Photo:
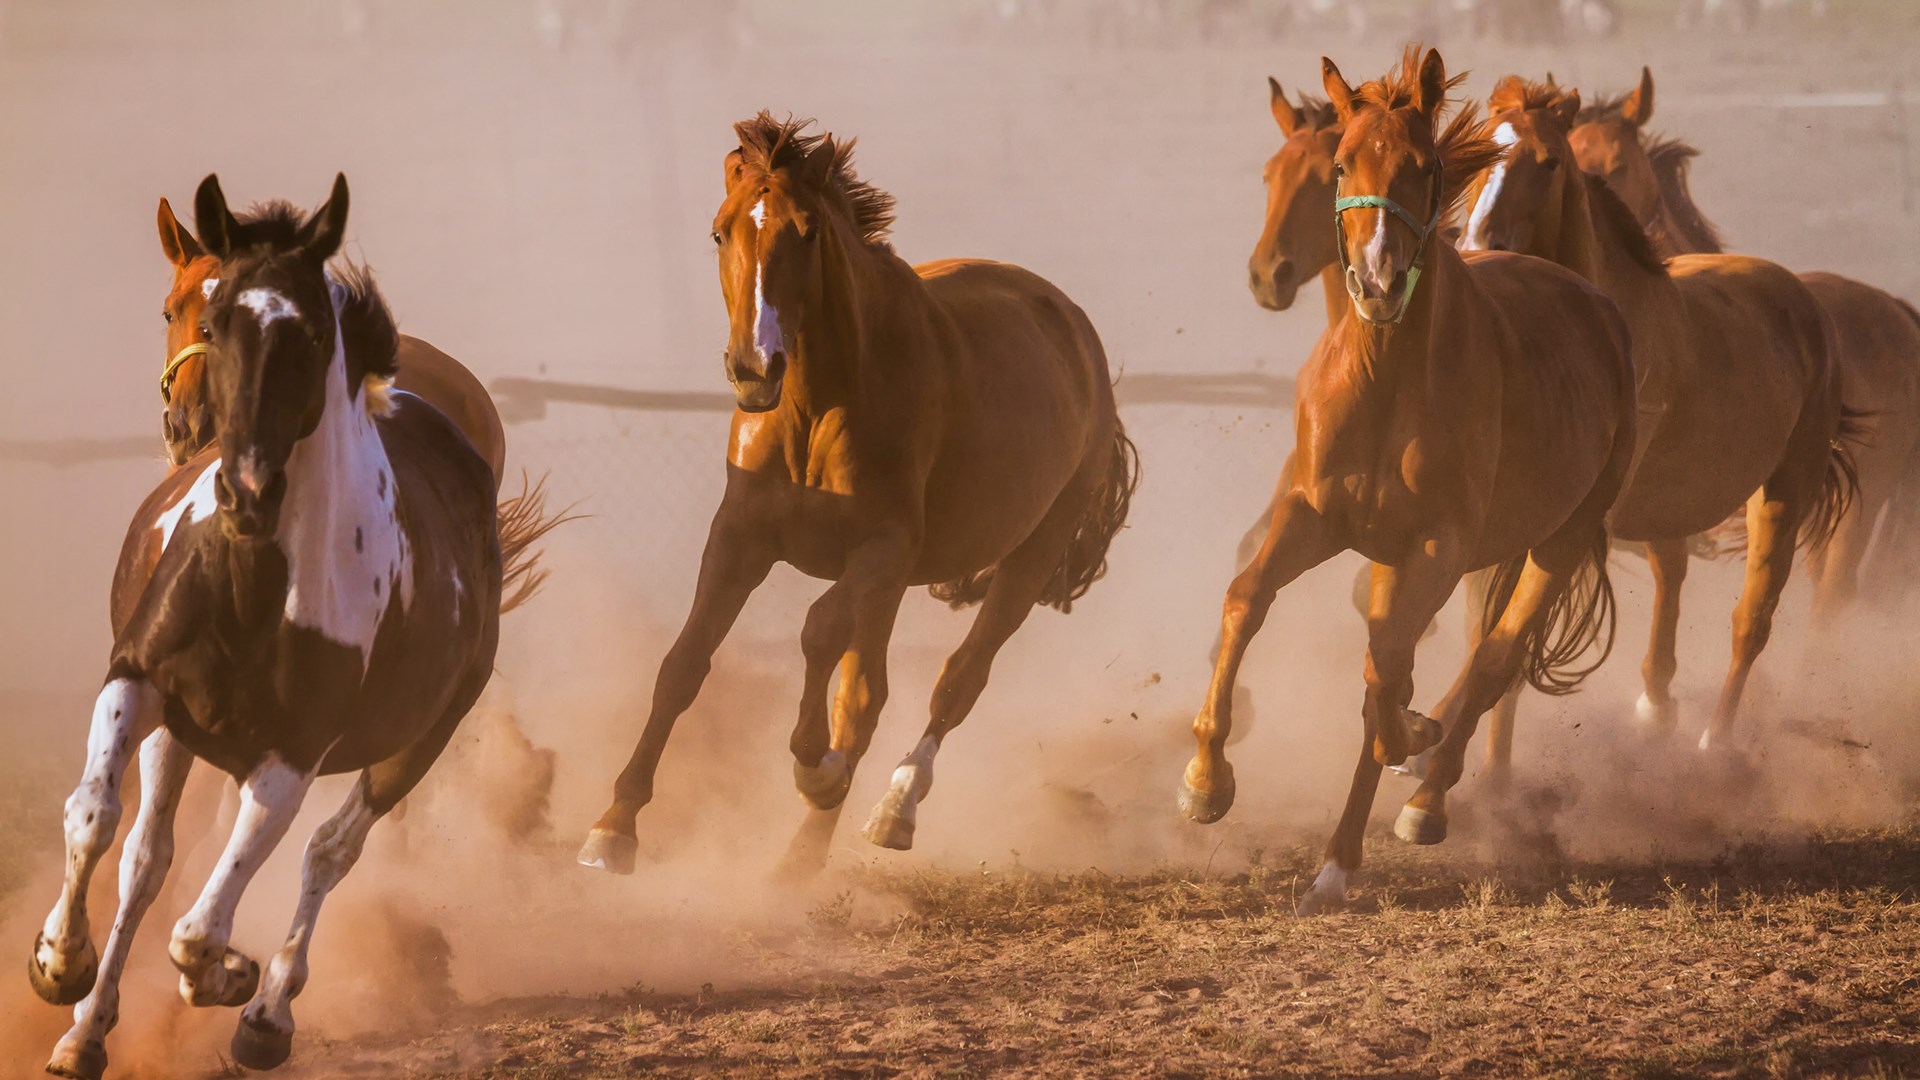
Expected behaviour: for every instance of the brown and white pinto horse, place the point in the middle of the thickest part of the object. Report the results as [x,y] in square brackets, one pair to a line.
[1740,398]
[950,424]
[423,371]
[1468,411]
[316,592]
[1876,343]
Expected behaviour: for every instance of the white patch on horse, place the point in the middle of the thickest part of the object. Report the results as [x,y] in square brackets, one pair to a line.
[1475,239]
[766,319]
[197,505]
[746,433]
[759,214]
[207,287]
[1376,253]
[1332,882]
[347,556]
[268,306]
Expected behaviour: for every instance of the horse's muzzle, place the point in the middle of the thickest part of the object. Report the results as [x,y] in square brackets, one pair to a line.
[249,498]
[758,391]
[1275,287]
[1374,303]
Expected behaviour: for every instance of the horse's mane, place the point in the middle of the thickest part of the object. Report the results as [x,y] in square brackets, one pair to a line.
[1670,158]
[1602,108]
[1463,149]
[1514,93]
[1614,213]
[1316,113]
[771,144]
[367,329]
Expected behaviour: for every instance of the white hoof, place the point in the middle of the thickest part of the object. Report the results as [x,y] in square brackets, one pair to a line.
[824,785]
[608,851]
[891,824]
[1328,894]
[1660,719]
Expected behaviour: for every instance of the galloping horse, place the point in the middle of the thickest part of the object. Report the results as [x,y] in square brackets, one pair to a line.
[1468,411]
[1739,395]
[1876,343]
[186,421]
[317,591]
[950,424]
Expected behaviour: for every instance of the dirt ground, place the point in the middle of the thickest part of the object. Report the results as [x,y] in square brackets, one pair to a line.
[533,183]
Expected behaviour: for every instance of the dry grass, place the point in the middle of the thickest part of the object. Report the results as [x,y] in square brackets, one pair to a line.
[1787,960]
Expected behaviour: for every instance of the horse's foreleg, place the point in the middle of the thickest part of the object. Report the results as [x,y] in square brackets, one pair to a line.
[211,973]
[1405,598]
[730,569]
[1298,539]
[1771,528]
[164,764]
[861,695]
[1656,708]
[62,966]
[1491,675]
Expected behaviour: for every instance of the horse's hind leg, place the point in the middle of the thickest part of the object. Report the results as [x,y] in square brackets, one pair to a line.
[1772,521]
[164,763]
[264,1036]
[62,967]
[211,973]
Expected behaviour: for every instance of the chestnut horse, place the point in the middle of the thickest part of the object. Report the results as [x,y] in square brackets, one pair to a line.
[424,371]
[950,424]
[1876,344]
[1468,411]
[1740,397]
[318,591]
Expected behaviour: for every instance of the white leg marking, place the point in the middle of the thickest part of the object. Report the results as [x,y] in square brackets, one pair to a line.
[347,555]
[1475,237]
[144,862]
[269,800]
[124,713]
[1332,883]
[335,847]
[892,821]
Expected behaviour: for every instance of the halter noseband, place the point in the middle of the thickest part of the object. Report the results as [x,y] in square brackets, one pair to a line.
[198,348]
[1421,232]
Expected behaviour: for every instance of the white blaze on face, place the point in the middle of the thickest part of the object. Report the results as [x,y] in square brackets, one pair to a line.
[1475,238]
[196,505]
[268,306]
[348,559]
[207,287]
[1375,257]
[767,339]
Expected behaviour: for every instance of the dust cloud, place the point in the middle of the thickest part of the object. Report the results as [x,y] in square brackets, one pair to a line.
[532,184]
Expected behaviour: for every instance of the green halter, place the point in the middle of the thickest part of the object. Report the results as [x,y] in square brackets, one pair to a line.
[1421,233]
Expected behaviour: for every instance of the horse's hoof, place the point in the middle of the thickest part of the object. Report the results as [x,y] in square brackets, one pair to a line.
[1417,826]
[825,785]
[609,851]
[228,985]
[1422,730]
[75,979]
[1207,807]
[1320,902]
[1416,766]
[257,1046]
[78,1060]
[890,826]
[1656,718]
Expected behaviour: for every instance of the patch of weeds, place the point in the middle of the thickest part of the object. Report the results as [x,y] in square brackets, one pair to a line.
[1597,895]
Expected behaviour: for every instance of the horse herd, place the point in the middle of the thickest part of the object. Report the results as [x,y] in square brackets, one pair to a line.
[316,586]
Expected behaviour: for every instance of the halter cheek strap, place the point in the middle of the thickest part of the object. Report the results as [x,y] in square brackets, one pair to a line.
[1422,232]
[198,348]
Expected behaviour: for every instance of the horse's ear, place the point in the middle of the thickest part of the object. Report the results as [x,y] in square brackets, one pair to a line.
[1552,83]
[1284,113]
[326,228]
[735,164]
[175,240]
[216,222]
[1337,89]
[819,163]
[1433,84]
[1567,107]
[1638,108]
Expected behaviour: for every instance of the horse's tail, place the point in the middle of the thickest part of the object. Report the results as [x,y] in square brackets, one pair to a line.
[1841,485]
[1085,559]
[523,520]
[1581,618]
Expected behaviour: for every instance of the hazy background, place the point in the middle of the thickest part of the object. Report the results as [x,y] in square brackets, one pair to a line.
[533,184]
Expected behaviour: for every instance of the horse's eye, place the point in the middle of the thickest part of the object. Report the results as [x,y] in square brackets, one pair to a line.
[206,333]
[716,237]
[166,316]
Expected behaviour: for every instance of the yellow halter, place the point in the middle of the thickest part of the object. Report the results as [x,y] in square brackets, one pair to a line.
[198,348]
